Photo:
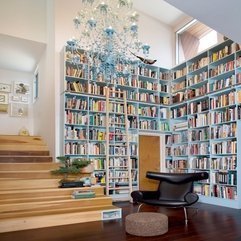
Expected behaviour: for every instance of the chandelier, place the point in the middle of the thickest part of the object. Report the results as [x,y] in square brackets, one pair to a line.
[108,35]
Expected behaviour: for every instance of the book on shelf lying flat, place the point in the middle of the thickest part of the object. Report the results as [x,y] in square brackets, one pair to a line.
[78,194]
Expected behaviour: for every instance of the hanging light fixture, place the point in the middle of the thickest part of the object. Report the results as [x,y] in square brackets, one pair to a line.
[108,35]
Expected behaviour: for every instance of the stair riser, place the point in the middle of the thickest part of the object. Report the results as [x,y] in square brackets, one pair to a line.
[28,184]
[50,220]
[24,153]
[28,166]
[45,192]
[11,210]
[27,175]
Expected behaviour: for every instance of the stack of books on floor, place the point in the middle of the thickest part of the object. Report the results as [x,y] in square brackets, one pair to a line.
[78,194]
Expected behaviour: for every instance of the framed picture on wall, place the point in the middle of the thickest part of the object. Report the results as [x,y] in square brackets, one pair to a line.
[3,108]
[21,88]
[18,110]
[5,87]
[3,98]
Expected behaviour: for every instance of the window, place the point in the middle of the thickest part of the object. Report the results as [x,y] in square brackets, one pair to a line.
[192,39]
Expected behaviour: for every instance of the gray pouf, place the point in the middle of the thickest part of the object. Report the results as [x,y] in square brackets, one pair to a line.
[146,224]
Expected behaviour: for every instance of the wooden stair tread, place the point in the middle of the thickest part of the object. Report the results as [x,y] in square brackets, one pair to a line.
[21,140]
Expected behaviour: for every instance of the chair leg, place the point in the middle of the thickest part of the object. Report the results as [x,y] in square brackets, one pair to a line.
[138,210]
[185,213]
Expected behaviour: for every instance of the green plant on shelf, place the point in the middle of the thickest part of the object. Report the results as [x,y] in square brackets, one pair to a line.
[70,167]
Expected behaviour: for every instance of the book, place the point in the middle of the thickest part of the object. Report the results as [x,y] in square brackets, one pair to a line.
[79,194]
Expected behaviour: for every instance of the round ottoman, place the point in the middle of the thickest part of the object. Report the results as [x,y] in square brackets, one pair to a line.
[146,224]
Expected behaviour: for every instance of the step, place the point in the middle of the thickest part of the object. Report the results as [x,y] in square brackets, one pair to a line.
[49,207]
[21,140]
[20,184]
[28,166]
[64,218]
[41,174]
[23,148]
[48,192]
[26,154]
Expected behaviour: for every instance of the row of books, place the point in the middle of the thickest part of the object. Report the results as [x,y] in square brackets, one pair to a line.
[75,118]
[225,115]
[148,125]
[227,50]
[181,150]
[223,131]
[199,162]
[222,68]
[176,164]
[227,192]
[76,103]
[200,63]
[222,83]
[198,120]
[147,72]
[199,149]
[178,86]
[197,78]
[222,100]
[199,134]
[224,163]
[224,147]
[75,148]
[75,133]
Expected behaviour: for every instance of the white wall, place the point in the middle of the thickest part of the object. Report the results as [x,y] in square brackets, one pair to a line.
[24,19]
[160,37]
[12,125]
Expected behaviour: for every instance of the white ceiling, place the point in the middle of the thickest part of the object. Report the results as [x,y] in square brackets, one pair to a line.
[160,10]
[19,54]
[22,55]
[222,15]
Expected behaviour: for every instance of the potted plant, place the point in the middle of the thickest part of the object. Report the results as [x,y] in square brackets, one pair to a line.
[70,167]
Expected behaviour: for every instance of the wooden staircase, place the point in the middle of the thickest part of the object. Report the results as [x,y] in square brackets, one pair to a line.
[29,194]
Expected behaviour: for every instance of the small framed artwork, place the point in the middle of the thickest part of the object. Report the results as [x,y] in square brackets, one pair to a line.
[3,98]
[5,87]
[3,108]
[18,110]
[24,98]
[21,88]
[16,98]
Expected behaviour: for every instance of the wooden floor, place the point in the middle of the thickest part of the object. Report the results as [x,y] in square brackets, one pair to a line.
[209,223]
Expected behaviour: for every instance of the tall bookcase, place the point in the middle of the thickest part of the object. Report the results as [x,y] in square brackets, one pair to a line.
[86,132]
[206,128]
[196,105]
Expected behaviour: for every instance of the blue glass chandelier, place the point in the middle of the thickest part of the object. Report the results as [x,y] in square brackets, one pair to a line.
[108,34]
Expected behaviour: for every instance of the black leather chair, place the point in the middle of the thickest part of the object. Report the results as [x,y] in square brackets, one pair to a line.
[175,190]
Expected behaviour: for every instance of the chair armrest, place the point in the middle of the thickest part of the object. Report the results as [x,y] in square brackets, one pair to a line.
[137,196]
[191,198]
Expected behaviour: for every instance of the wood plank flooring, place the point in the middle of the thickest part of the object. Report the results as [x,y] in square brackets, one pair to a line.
[210,223]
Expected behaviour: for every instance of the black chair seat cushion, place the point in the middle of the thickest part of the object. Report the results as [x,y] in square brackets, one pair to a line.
[166,203]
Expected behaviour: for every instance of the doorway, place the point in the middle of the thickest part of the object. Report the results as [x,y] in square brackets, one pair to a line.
[149,160]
